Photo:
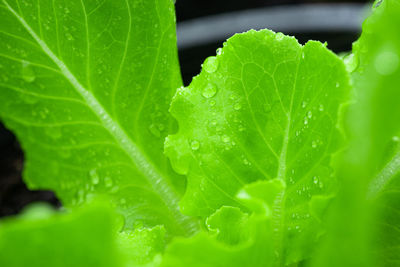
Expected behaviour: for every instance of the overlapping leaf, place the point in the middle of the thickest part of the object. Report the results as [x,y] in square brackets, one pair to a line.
[265,107]
[41,237]
[234,238]
[86,87]
[367,215]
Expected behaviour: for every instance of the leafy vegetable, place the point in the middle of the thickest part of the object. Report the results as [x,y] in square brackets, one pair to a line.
[86,86]
[259,114]
[41,238]
[367,213]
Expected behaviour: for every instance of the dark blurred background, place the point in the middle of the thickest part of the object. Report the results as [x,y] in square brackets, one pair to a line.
[203,25]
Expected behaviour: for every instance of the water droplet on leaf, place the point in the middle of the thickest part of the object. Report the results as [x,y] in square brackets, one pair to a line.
[108,182]
[314,144]
[210,65]
[69,37]
[94,177]
[386,62]
[27,73]
[53,132]
[209,91]
[237,106]
[351,62]
[279,36]
[226,139]
[195,145]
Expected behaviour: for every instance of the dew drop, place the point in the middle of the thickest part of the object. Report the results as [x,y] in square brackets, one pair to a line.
[195,145]
[210,65]
[386,62]
[243,195]
[53,132]
[321,107]
[219,51]
[94,177]
[209,91]
[305,121]
[27,73]
[108,182]
[237,106]
[212,103]
[304,104]
[309,114]
[351,61]
[69,37]
[226,139]
[43,113]
[396,138]
[315,180]
[80,196]
[337,84]
[313,144]
[279,36]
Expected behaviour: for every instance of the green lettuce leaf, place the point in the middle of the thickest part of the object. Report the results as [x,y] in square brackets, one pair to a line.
[365,222]
[42,237]
[265,107]
[86,87]
[142,246]
[234,238]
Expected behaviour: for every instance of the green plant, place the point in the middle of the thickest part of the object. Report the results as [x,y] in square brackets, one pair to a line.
[277,154]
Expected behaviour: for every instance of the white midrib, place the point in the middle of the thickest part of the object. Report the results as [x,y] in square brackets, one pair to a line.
[279,203]
[160,186]
[378,184]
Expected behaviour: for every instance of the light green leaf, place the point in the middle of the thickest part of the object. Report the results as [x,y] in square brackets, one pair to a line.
[265,107]
[365,222]
[41,237]
[234,239]
[142,246]
[86,87]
